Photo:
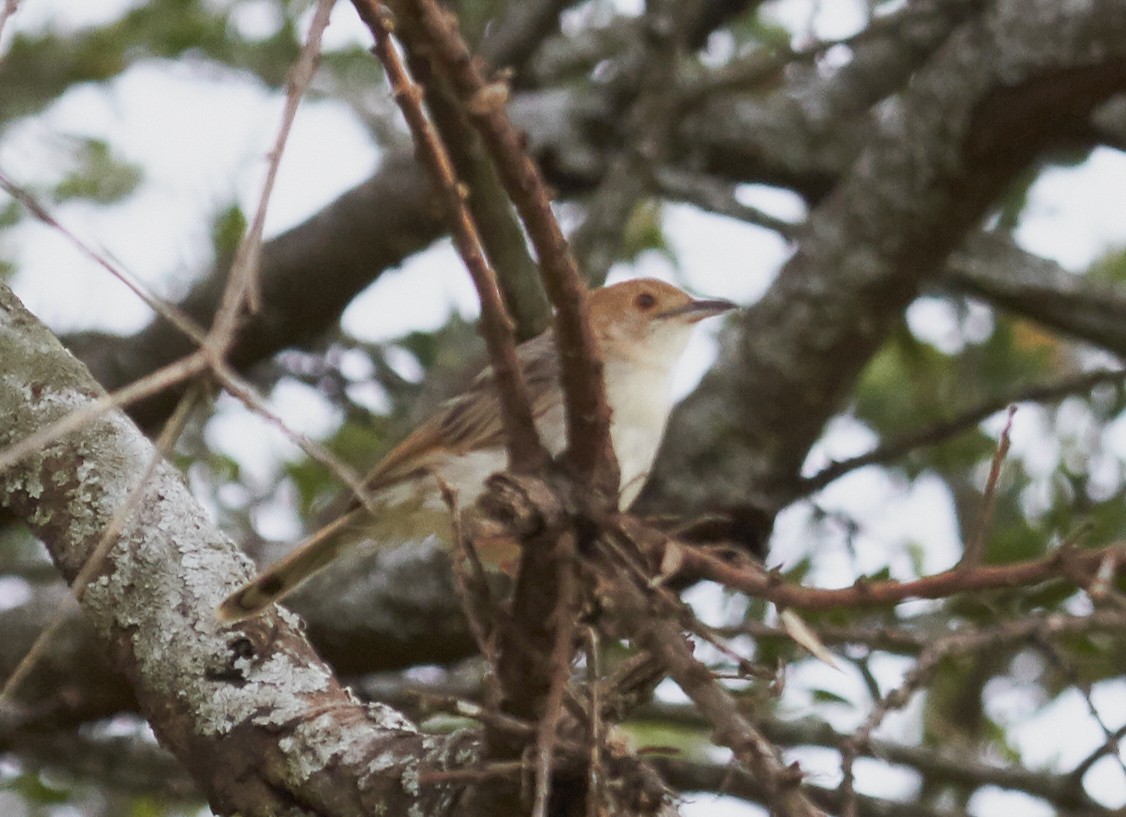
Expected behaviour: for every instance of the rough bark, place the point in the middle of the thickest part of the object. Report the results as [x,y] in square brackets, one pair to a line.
[1018,81]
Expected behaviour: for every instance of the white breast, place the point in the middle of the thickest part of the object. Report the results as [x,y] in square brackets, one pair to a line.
[639,399]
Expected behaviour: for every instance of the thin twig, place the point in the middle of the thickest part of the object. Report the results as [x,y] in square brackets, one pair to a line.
[166,309]
[9,9]
[501,234]
[893,449]
[159,380]
[595,773]
[472,585]
[167,376]
[560,664]
[717,196]
[975,547]
[242,281]
[737,573]
[660,637]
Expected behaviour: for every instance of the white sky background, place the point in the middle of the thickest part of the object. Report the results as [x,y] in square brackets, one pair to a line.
[202,137]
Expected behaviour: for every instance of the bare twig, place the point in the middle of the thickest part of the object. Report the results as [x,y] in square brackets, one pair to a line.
[167,310]
[737,573]
[659,636]
[932,434]
[560,668]
[717,196]
[975,547]
[471,584]
[159,380]
[595,772]
[524,447]
[242,282]
[6,12]
[501,234]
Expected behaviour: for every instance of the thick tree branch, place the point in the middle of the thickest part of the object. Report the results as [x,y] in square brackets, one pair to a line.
[934,163]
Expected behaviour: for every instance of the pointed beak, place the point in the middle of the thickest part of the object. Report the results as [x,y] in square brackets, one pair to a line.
[695,311]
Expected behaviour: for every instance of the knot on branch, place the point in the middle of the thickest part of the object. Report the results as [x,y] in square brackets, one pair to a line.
[526,505]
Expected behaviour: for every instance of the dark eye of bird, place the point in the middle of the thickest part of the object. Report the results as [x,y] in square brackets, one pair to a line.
[645,301]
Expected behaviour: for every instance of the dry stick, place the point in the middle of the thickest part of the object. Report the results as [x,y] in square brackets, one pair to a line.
[1073,675]
[560,663]
[169,375]
[172,430]
[975,547]
[526,452]
[249,396]
[717,196]
[754,579]
[242,282]
[588,416]
[594,775]
[502,236]
[1080,771]
[472,584]
[893,449]
[897,698]
[663,639]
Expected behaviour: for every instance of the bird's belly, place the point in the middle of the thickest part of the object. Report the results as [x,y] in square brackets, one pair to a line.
[640,406]
[635,446]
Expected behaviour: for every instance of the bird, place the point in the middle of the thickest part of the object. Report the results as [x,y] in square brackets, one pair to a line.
[641,327]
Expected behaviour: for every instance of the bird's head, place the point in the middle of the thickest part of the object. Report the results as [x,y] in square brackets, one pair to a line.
[648,321]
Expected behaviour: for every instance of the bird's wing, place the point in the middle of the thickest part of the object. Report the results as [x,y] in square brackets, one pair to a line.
[468,422]
[471,420]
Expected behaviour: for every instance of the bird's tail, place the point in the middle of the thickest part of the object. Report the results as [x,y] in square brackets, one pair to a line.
[282,578]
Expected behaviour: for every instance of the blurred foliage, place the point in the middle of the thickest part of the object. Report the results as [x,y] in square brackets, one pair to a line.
[36,790]
[1110,266]
[227,229]
[97,175]
[644,230]
[39,67]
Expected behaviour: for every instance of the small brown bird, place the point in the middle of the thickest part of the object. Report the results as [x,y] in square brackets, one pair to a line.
[641,327]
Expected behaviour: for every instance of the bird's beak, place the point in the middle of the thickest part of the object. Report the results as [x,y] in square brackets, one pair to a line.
[698,310]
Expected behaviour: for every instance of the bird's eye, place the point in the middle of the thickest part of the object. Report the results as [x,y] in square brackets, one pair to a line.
[645,301]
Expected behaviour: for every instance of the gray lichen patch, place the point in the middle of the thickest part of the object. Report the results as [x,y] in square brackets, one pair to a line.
[328,739]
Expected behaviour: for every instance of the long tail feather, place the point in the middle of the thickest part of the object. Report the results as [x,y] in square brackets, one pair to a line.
[282,578]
